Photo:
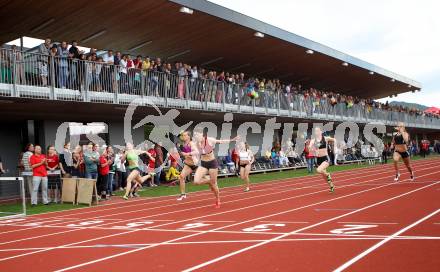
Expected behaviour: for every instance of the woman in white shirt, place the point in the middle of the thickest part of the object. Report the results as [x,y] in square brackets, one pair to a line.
[246,158]
[123,77]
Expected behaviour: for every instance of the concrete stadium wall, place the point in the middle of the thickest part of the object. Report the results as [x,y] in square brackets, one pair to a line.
[10,147]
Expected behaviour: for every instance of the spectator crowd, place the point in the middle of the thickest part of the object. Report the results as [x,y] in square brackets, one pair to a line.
[113,70]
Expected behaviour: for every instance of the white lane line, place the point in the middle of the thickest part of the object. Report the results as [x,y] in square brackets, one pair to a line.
[230,189]
[370,223]
[343,173]
[278,182]
[27,225]
[86,218]
[185,220]
[225,242]
[208,231]
[199,207]
[215,221]
[284,222]
[156,215]
[384,241]
[302,229]
[360,235]
[334,209]
[310,183]
[312,179]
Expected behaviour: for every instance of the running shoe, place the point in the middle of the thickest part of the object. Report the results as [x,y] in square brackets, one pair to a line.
[125,197]
[247,189]
[332,188]
[412,177]
[181,197]
[217,204]
[330,183]
[397,177]
[136,195]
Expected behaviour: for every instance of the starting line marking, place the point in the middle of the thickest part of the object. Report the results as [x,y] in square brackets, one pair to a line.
[352,229]
[225,242]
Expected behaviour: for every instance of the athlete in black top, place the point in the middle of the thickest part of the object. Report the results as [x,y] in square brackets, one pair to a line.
[318,144]
[400,144]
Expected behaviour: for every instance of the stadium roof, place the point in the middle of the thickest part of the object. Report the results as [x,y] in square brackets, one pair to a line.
[212,35]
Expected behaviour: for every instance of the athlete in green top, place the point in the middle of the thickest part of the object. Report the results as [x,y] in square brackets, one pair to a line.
[131,155]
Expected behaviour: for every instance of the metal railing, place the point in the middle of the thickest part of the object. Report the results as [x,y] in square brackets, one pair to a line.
[30,75]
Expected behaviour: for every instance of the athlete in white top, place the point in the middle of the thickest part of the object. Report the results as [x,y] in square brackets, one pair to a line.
[246,159]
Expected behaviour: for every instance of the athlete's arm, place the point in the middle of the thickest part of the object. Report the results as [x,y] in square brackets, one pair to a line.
[330,139]
[311,143]
[225,141]
[194,150]
[405,136]
[123,157]
[392,143]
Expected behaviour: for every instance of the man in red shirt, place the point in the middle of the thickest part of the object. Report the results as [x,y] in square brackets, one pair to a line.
[152,164]
[38,163]
[235,159]
[424,148]
[310,157]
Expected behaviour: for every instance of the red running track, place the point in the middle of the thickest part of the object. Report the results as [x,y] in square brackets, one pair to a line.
[370,224]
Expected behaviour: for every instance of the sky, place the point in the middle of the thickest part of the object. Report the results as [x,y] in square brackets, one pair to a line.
[399,35]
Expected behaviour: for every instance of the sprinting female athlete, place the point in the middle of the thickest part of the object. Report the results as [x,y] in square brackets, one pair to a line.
[400,144]
[208,162]
[132,157]
[319,144]
[190,152]
[246,159]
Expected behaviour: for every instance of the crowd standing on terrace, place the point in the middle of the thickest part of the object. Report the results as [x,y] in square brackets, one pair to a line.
[115,71]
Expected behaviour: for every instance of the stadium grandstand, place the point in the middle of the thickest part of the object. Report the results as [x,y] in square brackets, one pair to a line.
[202,72]
[85,108]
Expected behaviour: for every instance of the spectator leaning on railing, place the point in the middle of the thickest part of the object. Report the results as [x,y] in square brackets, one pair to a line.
[204,85]
[44,50]
[63,72]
